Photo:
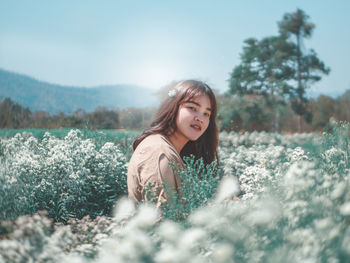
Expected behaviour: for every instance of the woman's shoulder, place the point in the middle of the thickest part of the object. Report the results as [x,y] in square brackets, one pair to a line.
[156,145]
[154,139]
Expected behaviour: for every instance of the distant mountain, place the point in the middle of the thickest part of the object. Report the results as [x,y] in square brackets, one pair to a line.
[42,96]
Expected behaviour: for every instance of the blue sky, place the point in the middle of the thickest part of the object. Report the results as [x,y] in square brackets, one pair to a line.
[152,42]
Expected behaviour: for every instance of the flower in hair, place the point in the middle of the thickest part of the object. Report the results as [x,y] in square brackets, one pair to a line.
[172,93]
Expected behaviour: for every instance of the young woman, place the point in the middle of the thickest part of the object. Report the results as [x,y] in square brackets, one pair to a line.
[184,125]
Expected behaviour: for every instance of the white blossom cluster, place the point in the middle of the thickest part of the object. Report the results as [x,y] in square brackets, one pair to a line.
[258,165]
[228,139]
[61,176]
[294,207]
[37,239]
[307,220]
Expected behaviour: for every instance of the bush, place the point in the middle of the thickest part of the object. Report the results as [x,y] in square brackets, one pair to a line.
[295,207]
[198,188]
[66,177]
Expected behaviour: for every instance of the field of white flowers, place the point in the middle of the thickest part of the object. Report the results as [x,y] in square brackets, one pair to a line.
[63,200]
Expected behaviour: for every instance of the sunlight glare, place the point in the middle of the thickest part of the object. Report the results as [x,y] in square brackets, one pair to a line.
[156,76]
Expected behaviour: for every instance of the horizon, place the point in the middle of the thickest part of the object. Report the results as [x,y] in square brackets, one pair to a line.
[313,95]
[152,44]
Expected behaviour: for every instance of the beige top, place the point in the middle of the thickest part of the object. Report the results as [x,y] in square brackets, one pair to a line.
[150,164]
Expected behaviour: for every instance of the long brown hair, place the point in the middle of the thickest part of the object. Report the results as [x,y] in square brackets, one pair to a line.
[165,120]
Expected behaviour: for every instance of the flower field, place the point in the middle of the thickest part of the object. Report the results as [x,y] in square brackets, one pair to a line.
[62,199]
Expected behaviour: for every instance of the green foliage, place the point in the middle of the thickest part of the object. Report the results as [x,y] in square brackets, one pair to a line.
[246,113]
[13,115]
[264,69]
[67,177]
[198,186]
[334,151]
[271,67]
[307,66]
[123,139]
[136,118]
[251,113]
[295,207]
[323,109]
[37,238]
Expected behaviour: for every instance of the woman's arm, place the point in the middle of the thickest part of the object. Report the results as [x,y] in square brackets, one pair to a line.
[166,177]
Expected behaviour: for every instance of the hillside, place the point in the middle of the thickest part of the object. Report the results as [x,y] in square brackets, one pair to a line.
[42,96]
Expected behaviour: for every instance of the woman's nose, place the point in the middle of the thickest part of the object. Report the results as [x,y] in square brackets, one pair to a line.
[197,118]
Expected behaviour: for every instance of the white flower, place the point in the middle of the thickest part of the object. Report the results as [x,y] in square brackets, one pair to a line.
[345,209]
[172,93]
[125,208]
[228,188]
[223,253]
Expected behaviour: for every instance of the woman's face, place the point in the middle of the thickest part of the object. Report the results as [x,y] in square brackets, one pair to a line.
[193,118]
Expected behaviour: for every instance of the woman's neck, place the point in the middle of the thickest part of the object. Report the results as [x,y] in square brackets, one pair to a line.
[177,141]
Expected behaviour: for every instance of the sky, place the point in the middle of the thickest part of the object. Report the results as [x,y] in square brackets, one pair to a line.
[153,42]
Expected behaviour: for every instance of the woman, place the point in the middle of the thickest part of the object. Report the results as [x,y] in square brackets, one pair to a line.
[184,125]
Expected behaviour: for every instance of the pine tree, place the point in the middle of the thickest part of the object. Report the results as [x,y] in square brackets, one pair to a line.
[264,71]
[308,67]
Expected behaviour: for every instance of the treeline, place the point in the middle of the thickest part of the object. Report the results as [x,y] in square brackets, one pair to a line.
[240,113]
[276,71]
[253,113]
[14,116]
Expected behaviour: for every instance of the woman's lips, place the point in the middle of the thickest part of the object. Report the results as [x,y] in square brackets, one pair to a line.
[196,127]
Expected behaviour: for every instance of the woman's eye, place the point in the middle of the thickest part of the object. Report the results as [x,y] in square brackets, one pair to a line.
[206,114]
[192,108]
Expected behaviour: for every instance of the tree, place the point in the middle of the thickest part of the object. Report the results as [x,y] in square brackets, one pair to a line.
[102,118]
[13,115]
[322,109]
[265,70]
[243,113]
[136,118]
[308,66]
[342,109]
